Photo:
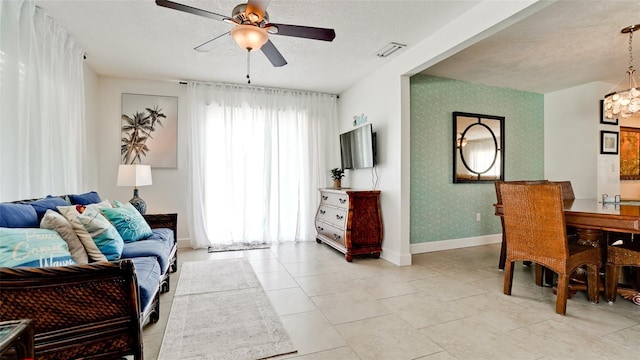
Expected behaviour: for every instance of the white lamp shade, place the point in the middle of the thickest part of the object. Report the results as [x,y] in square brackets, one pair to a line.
[134,175]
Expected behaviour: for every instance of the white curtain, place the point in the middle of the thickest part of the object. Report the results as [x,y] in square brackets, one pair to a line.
[257,159]
[41,105]
[480,154]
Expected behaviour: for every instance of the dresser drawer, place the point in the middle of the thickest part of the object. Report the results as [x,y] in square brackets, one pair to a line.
[334,199]
[332,215]
[330,231]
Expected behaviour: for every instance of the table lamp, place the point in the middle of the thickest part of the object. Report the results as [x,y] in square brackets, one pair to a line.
[135,175]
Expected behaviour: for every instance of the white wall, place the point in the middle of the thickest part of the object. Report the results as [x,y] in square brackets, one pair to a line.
[384,97]
[572,141]
[169,189]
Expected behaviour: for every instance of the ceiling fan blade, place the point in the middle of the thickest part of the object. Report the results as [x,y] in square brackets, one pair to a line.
[306,32]
[190,10]
[213,43]
[270,51]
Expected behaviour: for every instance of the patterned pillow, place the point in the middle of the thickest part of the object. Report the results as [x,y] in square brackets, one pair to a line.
[71,213]
[104,235]
[33,247]
[54,221]
[128,221]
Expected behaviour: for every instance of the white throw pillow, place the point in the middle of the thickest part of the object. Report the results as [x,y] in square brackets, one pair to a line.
[55,221]
[71,213]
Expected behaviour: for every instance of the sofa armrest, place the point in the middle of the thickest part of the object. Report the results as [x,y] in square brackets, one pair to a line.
[77,310]
[168,221]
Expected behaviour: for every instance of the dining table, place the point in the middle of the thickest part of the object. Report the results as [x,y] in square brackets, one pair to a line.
[594,222]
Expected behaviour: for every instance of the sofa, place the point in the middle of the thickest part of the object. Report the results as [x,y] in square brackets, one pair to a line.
[90,294]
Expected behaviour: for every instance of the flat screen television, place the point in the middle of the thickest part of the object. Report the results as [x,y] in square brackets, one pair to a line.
[358,148]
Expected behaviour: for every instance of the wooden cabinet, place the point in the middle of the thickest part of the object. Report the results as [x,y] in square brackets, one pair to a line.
[350,222]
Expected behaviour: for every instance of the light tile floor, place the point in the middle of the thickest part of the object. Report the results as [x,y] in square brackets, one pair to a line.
[447,305]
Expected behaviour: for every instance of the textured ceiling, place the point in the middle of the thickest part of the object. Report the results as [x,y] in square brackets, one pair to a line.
[565,44]
[138,39]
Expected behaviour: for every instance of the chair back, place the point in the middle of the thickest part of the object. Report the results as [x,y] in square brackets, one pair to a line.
[522,182]
[534,222]
[567,189]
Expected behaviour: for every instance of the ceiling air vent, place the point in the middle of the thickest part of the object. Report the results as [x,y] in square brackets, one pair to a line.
[389,49]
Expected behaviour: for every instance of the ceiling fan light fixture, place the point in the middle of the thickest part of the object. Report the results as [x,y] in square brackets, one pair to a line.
[625,103]
[249,36]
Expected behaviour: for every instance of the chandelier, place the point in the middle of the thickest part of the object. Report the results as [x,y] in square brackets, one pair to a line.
[626,102]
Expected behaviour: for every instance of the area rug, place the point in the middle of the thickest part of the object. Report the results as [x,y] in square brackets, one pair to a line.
[220,311]
[238,246]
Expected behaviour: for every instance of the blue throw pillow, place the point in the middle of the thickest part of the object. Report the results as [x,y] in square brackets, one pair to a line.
[85,199]
[128,221]
[49,203]
[104,235]
[33,247]
[18,216]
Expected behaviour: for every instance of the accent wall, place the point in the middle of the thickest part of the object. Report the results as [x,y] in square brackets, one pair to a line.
[440,209]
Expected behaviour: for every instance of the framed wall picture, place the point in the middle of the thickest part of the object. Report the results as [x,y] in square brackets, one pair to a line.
[149,130]
[608,142]
[629,153]
[603,118]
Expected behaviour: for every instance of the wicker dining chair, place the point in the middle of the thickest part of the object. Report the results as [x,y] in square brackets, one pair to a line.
[536,231]
[626,254]
[503,248]
[567,189]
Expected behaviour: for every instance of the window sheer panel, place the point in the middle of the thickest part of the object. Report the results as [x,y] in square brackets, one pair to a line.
[196,127]
[262,154]
[42,112]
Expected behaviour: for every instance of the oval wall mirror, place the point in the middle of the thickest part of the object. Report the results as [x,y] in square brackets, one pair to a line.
[478,148]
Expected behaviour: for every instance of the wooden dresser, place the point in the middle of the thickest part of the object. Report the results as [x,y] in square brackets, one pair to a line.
[350,221]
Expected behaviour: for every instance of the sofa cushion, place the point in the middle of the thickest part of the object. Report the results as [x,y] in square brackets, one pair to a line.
[33,247]
[71,213]
[128,221]
[163,234]
[91,197]
[158,245]
[55,221]
[49,203]
[18,216]
[148,274]
[103,233]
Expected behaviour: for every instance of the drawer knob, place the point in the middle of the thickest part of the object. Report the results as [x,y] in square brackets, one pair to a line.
[342,201]
[320,228]
[324,197]
[323,212]
[336,236]
[339,217]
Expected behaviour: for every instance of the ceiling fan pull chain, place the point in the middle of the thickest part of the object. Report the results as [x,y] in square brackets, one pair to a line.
[248,65]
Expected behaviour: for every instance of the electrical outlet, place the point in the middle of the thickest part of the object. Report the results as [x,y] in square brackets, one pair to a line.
[477,216]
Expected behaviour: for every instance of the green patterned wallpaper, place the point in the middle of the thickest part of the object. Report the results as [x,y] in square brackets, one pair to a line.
[440,209]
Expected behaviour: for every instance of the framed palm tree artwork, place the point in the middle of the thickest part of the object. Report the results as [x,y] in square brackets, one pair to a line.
[149,132]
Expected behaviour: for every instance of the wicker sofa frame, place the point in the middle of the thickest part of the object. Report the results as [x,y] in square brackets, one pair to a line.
[79,311]
[85,311]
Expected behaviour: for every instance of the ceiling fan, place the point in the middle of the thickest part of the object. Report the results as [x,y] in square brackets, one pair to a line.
[251,28]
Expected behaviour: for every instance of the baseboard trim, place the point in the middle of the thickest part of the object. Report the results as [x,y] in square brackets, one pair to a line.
[455,243]
[184,243]
[395,257]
